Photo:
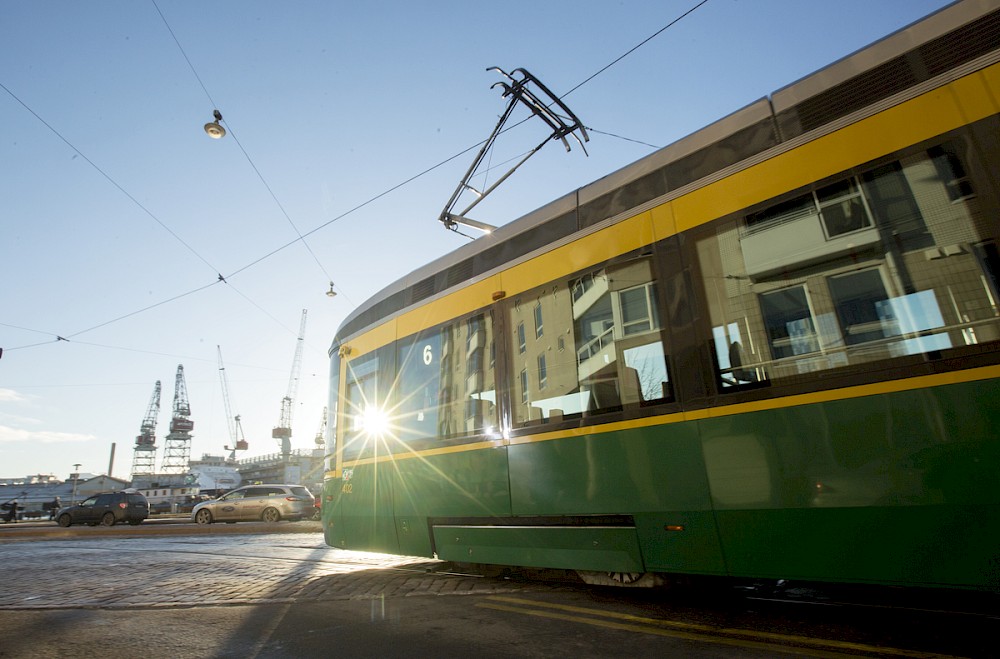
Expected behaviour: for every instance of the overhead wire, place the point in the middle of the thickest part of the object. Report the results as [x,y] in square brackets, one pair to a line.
[108,177]
[621,137]
[478,144]
[186,58]
[246,154]
[120,188]
[302,236]
[636,47]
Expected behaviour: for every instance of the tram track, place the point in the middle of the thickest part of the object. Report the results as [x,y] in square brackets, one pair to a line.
[973,605]
[779,643]
[978,615]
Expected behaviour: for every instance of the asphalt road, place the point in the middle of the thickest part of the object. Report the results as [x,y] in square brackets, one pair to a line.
[176,590]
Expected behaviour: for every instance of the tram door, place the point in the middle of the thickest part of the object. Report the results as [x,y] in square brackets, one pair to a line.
[363,515]
[365,510]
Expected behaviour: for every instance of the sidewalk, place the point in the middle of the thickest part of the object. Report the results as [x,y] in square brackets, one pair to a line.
[159,525]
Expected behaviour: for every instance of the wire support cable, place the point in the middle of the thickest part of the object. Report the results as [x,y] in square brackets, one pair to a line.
[109,178]
[246,154]
[329,222]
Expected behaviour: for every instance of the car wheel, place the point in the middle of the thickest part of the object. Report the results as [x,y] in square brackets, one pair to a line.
[108,519]
[203,516]
[271,515]
[65,520]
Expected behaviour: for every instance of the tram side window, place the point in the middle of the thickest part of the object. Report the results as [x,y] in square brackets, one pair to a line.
[877,266]
[331,416]
[446,385]
[602,348]
[363,408]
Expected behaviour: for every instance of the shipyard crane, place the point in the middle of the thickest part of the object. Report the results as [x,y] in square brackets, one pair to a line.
[283,432]
[310,477]
[177,448]
[144,456]
[239,443]
[321,433]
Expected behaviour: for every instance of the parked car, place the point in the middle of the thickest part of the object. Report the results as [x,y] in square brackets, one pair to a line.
[270,503]
[159,508]
[107,509]
[190,502]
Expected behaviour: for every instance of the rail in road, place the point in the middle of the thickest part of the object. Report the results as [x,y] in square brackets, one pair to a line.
[166,566]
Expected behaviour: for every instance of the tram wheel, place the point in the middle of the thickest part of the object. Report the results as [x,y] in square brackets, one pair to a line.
[625,577]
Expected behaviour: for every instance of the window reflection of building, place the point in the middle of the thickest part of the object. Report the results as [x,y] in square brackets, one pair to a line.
[610,317]
[890,262]
[472,408]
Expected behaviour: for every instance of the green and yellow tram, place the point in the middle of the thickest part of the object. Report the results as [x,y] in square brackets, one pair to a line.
[769,350]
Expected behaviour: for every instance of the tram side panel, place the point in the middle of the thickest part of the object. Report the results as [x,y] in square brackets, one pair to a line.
[888,488]
[362,516]
[435,494]
[653,476]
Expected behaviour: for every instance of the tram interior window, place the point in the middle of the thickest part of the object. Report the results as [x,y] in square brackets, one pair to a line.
[892,262]
[618,358]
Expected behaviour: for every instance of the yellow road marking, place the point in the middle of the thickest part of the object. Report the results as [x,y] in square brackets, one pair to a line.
[786,643]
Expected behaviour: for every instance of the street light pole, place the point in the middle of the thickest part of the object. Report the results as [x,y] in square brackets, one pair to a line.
[76,477]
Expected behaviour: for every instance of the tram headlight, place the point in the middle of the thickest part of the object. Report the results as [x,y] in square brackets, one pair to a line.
[374,421]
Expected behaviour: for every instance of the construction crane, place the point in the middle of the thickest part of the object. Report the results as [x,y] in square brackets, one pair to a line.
[144,456]
[283,432]
[321,433]
[232,422]
[177,448]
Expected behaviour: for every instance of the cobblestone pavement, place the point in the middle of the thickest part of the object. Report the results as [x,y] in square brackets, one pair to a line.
[286,594]
[170,571]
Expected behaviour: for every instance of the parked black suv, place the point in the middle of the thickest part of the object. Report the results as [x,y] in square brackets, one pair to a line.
[107,509]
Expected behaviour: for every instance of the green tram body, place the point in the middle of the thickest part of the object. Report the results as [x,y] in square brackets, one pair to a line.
[667,371]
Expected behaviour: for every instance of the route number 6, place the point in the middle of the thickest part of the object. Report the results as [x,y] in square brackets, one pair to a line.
[428,357]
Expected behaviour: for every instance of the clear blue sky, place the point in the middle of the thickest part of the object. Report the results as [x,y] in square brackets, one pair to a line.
[113,199]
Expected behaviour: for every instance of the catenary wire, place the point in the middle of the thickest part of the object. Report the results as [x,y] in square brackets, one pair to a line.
[108,178]
[352,210]
[186,58]
[636,47]
[246,154]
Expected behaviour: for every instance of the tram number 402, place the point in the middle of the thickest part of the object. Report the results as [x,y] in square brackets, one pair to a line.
[347,488]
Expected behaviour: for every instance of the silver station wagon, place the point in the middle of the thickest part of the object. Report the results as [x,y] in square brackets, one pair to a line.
[269,503]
